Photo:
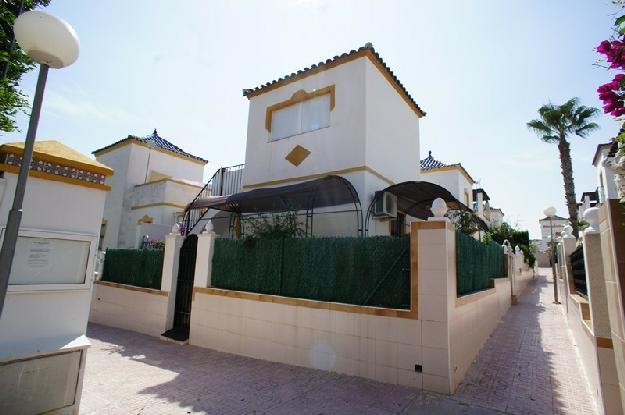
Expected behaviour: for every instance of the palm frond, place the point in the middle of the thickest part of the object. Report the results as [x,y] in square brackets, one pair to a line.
[550,138]
[568,108]
[546,108]
[539,127]
[586,129]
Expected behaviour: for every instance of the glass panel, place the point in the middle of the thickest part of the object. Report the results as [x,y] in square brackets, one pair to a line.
[285,122]
[49,261]
[316,113]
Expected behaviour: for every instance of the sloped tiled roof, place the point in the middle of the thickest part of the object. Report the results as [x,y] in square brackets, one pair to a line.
[430,163]
[152,140]
[555,217]
[57,152]
[363,51]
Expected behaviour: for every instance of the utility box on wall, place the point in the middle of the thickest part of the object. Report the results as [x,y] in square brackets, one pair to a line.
[43,324]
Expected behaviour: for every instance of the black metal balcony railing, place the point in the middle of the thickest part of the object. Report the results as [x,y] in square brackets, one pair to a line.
[225,182]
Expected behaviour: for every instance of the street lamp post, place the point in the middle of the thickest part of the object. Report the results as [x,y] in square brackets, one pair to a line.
[550,212]
[52,43]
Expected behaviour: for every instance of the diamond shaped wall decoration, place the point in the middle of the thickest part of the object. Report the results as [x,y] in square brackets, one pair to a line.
[297,155]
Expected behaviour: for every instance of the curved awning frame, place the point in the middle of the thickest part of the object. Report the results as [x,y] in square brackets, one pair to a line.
[306,196]
[415,199]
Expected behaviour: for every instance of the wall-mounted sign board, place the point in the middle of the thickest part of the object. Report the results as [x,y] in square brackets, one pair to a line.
[52,260]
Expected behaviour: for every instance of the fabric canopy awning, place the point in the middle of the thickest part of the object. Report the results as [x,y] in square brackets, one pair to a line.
[324,192]
[415,198]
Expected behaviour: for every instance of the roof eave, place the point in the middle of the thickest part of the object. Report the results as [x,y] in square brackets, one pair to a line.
[365,51]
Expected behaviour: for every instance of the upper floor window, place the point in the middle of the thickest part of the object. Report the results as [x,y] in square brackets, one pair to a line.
[302,113]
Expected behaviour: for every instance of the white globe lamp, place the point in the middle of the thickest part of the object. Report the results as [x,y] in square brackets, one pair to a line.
[47,39]
[550,211]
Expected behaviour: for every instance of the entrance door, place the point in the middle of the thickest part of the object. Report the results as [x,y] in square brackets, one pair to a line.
[184,289]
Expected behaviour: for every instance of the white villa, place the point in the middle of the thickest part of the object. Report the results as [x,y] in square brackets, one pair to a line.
[557,223]
[457,180]
[452,177]
[153,183]
[606,187]
[344,117]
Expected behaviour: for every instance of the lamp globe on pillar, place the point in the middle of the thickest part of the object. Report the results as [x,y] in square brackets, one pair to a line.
[52,43]
[550,212]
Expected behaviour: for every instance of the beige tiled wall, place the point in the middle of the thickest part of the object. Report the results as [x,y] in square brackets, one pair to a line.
[381,348]
[614,358]
[471,325]
[129,309]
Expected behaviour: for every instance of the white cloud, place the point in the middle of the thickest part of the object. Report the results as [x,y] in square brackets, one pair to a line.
[76,104]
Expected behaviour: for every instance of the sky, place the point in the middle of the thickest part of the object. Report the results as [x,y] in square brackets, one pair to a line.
[480,69]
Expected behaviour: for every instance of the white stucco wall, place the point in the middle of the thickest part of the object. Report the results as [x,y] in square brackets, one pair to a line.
[34,317]
[118,160]
[605,179]
[447,179]
[452,180]
[371,125]
[392,129]
[142,310]
[545,228]
[337,147]
[130,163]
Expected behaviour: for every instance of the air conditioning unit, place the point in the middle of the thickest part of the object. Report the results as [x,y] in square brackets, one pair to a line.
[385,205]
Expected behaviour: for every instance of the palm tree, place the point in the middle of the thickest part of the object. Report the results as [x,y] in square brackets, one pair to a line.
[555,124]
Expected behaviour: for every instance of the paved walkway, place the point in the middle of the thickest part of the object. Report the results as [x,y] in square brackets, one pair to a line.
[130,373]
[529,365]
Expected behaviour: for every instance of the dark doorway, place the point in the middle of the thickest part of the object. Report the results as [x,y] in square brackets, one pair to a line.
[184,290]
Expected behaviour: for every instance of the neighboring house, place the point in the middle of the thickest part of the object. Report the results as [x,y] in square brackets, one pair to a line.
[481,206]
[154,181]
[456,179]
[588,200]
[348,116]
[494,216]
[452,177]
[606,188]
[556,225]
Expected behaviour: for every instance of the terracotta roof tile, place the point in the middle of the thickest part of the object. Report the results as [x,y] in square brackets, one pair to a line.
[158,142]
[336,59]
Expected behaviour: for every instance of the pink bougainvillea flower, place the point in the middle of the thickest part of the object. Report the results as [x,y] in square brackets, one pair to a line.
[614,52]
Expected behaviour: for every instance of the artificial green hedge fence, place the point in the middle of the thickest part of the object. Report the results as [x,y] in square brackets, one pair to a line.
[371,271]
[138,267]
[477,264]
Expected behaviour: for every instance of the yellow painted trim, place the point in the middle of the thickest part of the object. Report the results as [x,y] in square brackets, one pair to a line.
[128,141]
[320,175]
[167,179]
[604,343]
[364,53]
[413,313]
[302,302]
[145,219]
[132,288]
[107,171]
[473,297]
[450,168]
[296,98]
[55,178]
[136,207]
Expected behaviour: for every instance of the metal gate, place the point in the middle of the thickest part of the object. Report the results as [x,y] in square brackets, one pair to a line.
[578,267]
[184,288]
